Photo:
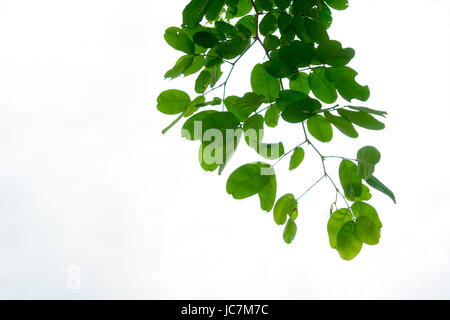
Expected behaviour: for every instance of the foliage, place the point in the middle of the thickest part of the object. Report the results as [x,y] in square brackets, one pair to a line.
[213,37]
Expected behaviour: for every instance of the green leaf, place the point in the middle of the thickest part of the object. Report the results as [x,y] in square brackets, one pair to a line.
[247,22]
[369,110]
[297,158]
[272,116]
[264,4]
[320,128]
[300,110]
[202,81]
[194,105]
[194,12]
[205,39]
[331,52]
[230,49]
[243,107]
[300,82]
[173,101]
[286,97]
[254,178]
[196,65]
[271,42]
[350,181]
[270,151]
[282,4]
[179,40]
[365,194]
[180,66]
[268,24]
[323,89]
[362,119]
[297,54]
[277,67]
[290,231]
[265,84]
[368,157]
[364,209]
[285,206]
[337,4]
[377,184]
[316,31]
[367,231]
[344,79]
[348,243]
[335,223]
[214,9]
[243,7]
[284,22]
[342,125]
[206,163]
[220,121]
[253,130]
[188,130]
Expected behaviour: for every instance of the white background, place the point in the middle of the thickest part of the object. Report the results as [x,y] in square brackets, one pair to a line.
[87,179]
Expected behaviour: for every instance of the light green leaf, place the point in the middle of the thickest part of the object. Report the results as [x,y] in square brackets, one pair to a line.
[369,110]
[179,40]
[188,129]
[342,125]
[197,64]
[194,12]
[335,223]
[344,79]
[367,231]
[368,157]
[265,84]
[297,158]
[322,88]
[285,206]
[365,194]
[270,151]
[377,184]
[360,209]
[173,101]
[320,128]
[348,243]
[290,231]
[180,66]
[243,107]
[272,116]
[253,130]
[202,81]
[253,178]
[300,82]
[350,181]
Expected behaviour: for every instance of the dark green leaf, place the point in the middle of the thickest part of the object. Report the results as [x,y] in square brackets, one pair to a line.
[205,39]
[266,5]
[335,223]
[377,184]
[368,157]
[320,128]
[232,48]
[243,107]
[271,42]
[194,12]
[342,125]
[350,181]
[337,4]
[265,84]
[284,21]
[282,4]
[322,88]
[289,231]
[316,30]
[202,81]
[277,67]
[296,158]
[331,52]
[226,28]
[179,40]
[348,243]
[286,97]
[249,23]
[285,206]
[344,79]
[253,130]
[297,54]
[300,110]
[243,7]
[362,119]
[268,24]
[173,101]
[220,121]
[214,9]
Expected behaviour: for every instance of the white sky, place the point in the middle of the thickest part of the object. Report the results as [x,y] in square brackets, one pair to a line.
[87,180]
